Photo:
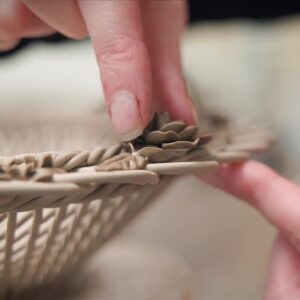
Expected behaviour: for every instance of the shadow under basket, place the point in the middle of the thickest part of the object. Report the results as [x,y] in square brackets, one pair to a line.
[57,207]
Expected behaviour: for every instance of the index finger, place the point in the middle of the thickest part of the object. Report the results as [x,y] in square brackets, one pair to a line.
[116,31]
[275,197]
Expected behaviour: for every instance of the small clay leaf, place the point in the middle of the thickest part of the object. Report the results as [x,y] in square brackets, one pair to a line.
[123,161]
[113,159]
[175,153]
[149,151]
[159,137]
[181,145]
[204,139]
[188,133]
[175,126]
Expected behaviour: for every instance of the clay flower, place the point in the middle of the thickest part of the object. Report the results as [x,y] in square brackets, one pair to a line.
[166,140]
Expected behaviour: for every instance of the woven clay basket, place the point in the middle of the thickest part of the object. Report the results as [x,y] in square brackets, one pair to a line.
[58,207]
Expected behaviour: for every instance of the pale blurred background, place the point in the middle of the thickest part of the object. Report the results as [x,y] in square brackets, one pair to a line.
[195,242]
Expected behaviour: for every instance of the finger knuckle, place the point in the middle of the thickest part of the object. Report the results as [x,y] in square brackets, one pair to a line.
[119,50]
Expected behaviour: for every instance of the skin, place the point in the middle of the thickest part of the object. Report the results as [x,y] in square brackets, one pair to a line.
[136,44]
[277,199]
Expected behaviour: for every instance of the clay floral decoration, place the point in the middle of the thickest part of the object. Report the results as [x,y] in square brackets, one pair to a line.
[162,141]
[165,140]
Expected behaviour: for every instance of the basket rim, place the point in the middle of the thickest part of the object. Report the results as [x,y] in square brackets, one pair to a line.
[72,171]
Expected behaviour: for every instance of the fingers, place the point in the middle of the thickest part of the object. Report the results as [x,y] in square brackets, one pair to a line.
[163,23]
[6,45]
[116,32]
[274,196]
[284,276]
[16,22]
[64,16]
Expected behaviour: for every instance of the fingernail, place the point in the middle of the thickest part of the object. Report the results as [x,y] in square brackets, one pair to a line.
[125,115]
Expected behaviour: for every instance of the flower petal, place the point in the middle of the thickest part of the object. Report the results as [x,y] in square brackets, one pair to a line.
[159,137]
[149,151]
[181,145]
[188,133]
[175,126]
[204,139]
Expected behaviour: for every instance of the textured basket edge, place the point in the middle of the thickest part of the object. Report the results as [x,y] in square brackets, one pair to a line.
[73,171]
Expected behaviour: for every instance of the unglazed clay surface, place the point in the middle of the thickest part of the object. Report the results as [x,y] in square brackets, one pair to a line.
[58,206]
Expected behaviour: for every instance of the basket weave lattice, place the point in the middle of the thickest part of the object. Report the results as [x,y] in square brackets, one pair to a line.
[57,208]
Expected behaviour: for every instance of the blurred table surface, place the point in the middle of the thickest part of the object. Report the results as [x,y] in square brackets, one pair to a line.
[238,67]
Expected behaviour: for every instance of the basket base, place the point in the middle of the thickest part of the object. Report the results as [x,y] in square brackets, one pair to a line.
[123,270]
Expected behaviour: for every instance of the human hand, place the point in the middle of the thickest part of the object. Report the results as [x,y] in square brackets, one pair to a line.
[279,201]
[136,45]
